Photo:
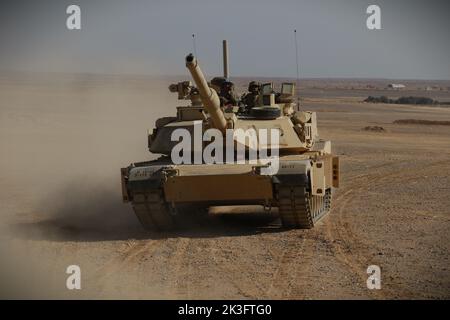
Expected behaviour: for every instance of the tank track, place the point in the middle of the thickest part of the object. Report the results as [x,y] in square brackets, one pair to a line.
[298,209]
[155,214]
[152,210]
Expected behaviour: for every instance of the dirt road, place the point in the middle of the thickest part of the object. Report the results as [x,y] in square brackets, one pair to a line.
[64,140]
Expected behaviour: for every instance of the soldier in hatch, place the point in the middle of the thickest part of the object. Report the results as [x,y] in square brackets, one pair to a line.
[225,90]
[227,94]
[250,99]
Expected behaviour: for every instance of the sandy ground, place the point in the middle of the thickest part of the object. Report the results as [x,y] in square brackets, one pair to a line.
[64,138]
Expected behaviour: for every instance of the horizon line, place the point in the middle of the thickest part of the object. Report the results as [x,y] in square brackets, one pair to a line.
[3,72]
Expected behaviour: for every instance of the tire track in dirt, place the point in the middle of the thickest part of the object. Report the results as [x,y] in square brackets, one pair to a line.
[338,229]
[178,271]
[234,273]
[336,236]
[127,258]
[285,273]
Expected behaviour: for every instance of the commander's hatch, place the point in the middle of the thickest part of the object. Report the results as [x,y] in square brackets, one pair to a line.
[267,97]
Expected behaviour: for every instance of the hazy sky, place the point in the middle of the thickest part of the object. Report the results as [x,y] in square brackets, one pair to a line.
[152,37]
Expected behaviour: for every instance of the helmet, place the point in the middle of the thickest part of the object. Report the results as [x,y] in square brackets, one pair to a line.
[228,85]
[254,86]
[218,81]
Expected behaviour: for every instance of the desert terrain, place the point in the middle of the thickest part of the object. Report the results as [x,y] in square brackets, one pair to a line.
[63,139]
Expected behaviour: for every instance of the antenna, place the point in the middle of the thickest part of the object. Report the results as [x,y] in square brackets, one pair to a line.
[296,61]
[225,58]
[193,43]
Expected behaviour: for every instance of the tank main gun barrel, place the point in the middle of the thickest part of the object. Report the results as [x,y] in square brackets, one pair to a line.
[209,96]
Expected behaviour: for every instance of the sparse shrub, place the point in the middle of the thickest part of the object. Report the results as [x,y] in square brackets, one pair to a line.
[425,122]
[374,129]
[402,100]
[415,100]
[382,99]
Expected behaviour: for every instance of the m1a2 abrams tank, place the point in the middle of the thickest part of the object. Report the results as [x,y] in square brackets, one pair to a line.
[298,180]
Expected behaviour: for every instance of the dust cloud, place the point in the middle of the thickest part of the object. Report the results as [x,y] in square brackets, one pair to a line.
[64,138]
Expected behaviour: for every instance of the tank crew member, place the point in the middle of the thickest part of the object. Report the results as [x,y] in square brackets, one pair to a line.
[217,83]
[227,94]
[250,99]
[225,91]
